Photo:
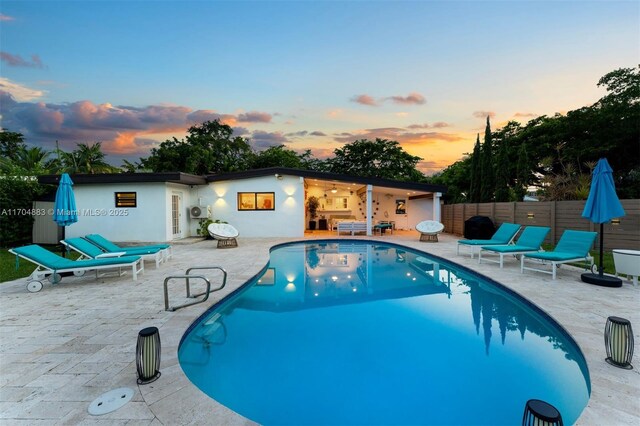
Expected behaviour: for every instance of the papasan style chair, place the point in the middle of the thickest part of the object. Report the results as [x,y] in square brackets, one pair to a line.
[225,234]
[429,230]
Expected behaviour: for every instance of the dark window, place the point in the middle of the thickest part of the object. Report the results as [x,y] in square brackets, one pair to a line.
[126,199]
[256,201]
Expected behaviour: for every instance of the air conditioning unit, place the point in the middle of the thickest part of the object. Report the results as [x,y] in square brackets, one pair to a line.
[197,212]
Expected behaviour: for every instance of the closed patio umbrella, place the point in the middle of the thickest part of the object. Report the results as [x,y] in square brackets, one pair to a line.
[64,208]
[602,205]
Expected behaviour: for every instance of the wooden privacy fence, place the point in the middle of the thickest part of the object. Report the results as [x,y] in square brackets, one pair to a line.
[558,215]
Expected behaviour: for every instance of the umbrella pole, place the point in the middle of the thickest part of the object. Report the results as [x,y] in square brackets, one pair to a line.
[600,278]
[601,268]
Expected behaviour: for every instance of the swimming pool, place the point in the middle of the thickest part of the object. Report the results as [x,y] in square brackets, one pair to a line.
[354,332]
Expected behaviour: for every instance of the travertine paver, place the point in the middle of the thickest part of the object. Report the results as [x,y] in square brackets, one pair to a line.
[64,346]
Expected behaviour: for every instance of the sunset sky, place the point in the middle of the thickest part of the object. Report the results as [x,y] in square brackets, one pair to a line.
[307,74]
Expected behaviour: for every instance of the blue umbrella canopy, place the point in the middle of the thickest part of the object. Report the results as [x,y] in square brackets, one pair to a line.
[603,203]
[64,209]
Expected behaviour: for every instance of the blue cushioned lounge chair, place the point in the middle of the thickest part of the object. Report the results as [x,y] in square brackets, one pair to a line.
[109,247]
[88,250]
[529,241]
[52,265]
[573,247]
[504,235]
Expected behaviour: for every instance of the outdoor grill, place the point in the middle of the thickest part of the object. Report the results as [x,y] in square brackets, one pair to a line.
[478,228]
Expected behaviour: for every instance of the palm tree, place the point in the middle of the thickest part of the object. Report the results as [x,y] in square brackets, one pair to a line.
[28,161]
[86,159]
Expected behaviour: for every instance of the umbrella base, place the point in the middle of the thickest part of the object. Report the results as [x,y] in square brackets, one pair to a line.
[601,280]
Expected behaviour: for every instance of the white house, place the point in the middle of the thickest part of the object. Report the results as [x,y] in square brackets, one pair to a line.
[259,203]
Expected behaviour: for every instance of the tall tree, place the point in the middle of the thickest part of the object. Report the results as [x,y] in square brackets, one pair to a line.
[380,158]
[277,156]
[523,173]
[487,181]
[502,172]
[474,189]
[10,143]
[208,148]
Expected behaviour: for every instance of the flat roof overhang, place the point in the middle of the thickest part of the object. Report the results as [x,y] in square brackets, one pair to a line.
[330,177]
[89,179]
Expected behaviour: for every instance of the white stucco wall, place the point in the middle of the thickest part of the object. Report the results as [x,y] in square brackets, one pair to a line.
[287,220]
[146,222]
[419,210]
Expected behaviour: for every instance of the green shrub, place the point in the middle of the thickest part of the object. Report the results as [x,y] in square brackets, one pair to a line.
[16,198]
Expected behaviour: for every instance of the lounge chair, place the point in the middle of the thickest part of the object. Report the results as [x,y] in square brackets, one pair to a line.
[573,247]
[529,241]
[164,250]
[52,265]
[429,230]
[88,250]
[225,234]
[504,235]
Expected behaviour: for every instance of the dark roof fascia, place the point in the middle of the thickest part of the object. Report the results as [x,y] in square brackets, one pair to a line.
[87,179]
[327,176]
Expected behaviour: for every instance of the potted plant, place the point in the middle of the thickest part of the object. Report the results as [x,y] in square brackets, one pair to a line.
[312,207]
[204,224]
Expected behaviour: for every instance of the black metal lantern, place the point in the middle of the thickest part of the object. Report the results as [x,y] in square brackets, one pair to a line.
[148,355]
[538,412]
[618,339]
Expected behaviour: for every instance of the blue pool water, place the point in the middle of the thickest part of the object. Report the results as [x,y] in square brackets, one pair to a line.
[353,333]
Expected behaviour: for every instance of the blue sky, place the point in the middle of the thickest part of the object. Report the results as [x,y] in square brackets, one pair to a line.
[311,75]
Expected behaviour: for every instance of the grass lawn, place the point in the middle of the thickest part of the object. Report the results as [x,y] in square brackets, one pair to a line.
[8,271]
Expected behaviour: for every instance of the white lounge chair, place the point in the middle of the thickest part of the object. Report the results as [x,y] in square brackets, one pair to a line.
[429,230]
[225,234]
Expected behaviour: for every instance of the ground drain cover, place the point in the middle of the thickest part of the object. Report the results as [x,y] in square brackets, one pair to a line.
[110,401]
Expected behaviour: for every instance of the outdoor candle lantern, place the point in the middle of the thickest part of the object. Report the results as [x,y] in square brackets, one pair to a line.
[148,355]
[618,339]
[538,412]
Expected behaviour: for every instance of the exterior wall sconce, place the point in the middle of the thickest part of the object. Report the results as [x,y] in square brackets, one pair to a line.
[334,189]
[615,221]
[278,176]
[538,412]
[530,215]
[148,355]
[618,340]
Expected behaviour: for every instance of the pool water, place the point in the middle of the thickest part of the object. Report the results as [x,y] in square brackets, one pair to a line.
[355,333]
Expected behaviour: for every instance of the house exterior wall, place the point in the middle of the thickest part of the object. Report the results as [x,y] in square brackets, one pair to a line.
[97,212]
[286,220]
[419,210]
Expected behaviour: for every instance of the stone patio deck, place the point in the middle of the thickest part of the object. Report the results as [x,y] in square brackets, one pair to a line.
[64,346]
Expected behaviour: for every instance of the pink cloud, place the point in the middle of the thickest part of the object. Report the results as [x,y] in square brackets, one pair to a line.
[525,114]
[436,125]
[398,134]
[412,99]
[484,114]
[254,117]
[4,17]
[364,100]
[18,61]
